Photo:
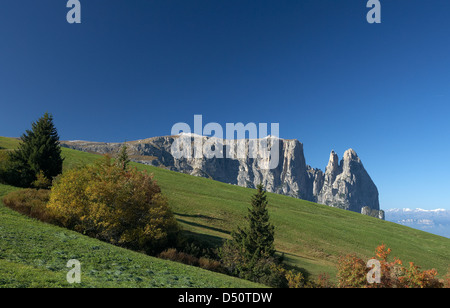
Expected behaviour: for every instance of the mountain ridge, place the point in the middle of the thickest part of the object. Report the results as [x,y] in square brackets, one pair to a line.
[345,184]
[312,236]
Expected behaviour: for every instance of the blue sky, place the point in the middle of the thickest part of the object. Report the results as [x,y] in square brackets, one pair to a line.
[132,69]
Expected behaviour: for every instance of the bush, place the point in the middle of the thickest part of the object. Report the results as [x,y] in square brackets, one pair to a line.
[352,272]
[269,272]
[30,202]
[447,279]
[197,248]
[210,265]
[415,278]
[178,256]
[295,280]
[322,281]
[41,181]
[123,207]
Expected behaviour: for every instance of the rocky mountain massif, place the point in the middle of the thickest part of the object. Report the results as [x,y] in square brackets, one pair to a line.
[344,184]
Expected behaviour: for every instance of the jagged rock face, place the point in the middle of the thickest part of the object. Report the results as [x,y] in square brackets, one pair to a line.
[346,185]
[316,180]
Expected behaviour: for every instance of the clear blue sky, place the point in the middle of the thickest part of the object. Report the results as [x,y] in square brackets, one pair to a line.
[132,69]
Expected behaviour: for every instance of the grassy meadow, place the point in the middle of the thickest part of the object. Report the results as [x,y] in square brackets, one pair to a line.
[312,237]
[35,254]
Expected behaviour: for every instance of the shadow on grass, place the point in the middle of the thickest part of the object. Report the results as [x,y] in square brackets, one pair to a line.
[195,224]
[197,216]
[204,240]
[287,261]
[214,242]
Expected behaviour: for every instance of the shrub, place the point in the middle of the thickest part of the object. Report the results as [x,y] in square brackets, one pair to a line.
[41,182]
[197,248]
[414,278]
[323,281]
[295,279]
[177,256]
[182,257]
[352,272]
[30,202]
[210,265]
[123,207]
[232,259]
[446,281]
[268,271]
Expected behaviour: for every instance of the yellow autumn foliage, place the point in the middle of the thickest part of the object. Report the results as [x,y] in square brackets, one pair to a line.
[123,207]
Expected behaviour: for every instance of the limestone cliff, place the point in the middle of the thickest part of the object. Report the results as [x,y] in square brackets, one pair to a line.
[347,185]
[344,184]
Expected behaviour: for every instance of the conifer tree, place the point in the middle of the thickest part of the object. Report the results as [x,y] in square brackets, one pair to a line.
[257,240]
[251,252]
[39,153]
[123,159]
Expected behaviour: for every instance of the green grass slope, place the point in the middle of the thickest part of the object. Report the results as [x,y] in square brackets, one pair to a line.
[311,236]
[8,143]
[35,254]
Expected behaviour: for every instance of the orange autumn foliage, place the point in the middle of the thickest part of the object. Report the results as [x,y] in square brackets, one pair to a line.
[352,273]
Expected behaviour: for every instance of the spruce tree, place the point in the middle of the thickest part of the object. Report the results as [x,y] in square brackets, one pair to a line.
[123,159]
[257,240]
[38,153]
[251,252]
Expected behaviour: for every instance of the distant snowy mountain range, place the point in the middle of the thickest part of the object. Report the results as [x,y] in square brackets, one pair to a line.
[433,221]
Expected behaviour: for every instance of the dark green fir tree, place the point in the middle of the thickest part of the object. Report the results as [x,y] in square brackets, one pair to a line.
[257,239]
[39,153]
[250,254]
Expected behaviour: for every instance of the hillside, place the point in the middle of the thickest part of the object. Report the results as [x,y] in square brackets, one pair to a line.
[344,184]
[311,236]
[34,254]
